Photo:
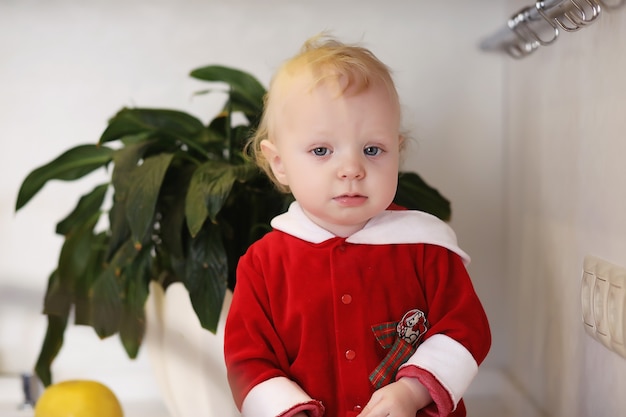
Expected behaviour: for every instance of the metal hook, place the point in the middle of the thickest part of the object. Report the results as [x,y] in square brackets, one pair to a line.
[582,19]
[526,19]
[519,51]
[572,19]
[526,46]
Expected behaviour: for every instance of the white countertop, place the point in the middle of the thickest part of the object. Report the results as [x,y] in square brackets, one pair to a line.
[491,395]
[11,402]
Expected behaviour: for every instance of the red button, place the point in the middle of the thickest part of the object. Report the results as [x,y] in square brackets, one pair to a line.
[357,408]
[350,354]
[346,298]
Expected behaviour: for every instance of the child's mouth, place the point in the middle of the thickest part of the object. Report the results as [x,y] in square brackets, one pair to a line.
[350,200]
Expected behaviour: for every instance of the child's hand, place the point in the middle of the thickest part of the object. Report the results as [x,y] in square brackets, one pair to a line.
[402,398]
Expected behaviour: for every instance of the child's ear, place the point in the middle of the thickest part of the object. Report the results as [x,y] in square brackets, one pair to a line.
[270,152]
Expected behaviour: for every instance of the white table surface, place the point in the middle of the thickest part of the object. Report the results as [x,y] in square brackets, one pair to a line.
[11,403]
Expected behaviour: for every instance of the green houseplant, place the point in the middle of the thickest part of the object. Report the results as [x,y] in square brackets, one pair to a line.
[184,204]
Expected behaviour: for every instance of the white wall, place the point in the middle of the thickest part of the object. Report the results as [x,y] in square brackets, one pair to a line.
[566,199]
[66,66]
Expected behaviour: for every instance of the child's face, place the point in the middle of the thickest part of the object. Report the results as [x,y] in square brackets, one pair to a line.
[339,154]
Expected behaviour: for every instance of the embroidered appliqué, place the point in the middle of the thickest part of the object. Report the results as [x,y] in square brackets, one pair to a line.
[412,326]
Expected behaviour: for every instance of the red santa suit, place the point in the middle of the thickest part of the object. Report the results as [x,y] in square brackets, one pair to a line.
[301,330]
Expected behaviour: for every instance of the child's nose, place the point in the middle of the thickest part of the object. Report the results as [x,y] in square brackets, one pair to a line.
[351,168]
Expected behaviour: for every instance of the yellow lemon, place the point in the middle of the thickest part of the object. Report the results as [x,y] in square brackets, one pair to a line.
[78,398]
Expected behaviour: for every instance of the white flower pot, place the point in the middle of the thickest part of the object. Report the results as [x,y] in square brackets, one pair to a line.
[188,360]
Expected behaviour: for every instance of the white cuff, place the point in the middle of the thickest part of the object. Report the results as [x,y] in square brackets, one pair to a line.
[273,397]
[448,361]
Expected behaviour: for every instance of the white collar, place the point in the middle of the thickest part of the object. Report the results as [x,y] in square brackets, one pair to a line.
[388,227]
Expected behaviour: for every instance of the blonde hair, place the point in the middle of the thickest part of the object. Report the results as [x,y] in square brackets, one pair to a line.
[325,58]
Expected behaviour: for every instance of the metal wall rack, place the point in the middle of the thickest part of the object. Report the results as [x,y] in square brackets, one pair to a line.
[542,23]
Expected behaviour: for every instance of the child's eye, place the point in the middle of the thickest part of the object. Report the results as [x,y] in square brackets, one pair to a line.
[320,151]
[372,151]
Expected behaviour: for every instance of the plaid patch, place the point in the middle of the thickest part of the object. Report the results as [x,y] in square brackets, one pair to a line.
[386,371]
[402,339]
[386,333]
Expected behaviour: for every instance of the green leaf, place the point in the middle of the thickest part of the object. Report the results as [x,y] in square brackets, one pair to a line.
[206,276]
[145,183]
[88,206]
[209,188]
[169,129]
[240,136]
[136,277]
[75,250]
[130,122]
[50,348]
[415,194]
[71,268]
[249,106]
[107,290]
[94,266]
[246,91]
[71,165]
[172,210]
[106,305]
[218,130]
[125,161]
[58,300]
[118,225]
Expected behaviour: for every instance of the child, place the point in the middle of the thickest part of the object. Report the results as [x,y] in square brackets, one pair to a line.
[350,306]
